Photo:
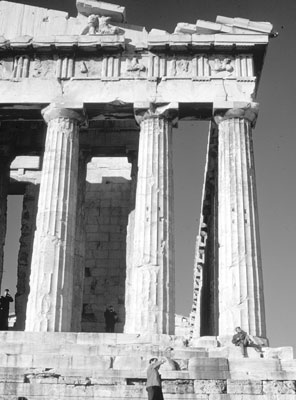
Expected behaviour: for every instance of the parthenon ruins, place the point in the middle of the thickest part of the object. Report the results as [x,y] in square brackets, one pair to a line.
[88,107]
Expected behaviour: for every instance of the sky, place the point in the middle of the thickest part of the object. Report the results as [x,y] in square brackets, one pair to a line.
[274,144]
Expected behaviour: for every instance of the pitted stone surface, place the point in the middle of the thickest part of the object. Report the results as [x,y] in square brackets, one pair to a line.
[210,386]
[244,387]
[279,387]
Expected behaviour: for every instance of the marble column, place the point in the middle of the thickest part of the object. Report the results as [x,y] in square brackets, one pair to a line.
[5,160]
[129,281]
[79,262]
[241,301]
[150,304]
[29,212]
[51,283]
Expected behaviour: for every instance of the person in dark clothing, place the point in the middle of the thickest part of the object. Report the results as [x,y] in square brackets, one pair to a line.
[153,385]
[110,319]
[4,309]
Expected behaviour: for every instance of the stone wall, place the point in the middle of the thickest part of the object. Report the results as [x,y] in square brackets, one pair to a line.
[107,206]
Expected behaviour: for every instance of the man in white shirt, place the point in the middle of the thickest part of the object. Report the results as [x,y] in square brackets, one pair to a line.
[153,385]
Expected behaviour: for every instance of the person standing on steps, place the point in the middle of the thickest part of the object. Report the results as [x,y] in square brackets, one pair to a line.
[153,385]
[4,310]
[110,319]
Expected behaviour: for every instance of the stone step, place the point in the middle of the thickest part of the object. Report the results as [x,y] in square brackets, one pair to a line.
[102,350]
[91,338]
[112,345]
[135,366]
[29,384]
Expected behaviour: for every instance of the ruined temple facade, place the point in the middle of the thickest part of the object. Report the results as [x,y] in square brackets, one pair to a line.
[88,108]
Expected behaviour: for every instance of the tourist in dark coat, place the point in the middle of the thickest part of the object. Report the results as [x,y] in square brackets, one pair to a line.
[110,319]
[4,309]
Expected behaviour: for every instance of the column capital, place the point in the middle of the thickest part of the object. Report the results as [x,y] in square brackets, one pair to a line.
[146,110]
[63,110]
[247,111]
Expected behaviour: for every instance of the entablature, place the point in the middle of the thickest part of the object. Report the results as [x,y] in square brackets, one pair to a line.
[92,60]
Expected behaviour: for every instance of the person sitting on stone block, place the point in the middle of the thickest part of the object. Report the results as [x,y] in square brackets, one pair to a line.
[242,339]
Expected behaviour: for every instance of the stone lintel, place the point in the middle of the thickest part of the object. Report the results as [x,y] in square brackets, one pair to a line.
[63,110]
[145,110]
[224,110]
[114,11]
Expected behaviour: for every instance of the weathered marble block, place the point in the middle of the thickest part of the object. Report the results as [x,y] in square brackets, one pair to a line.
[210,386]
[177,386]
[279,387]
[244,387]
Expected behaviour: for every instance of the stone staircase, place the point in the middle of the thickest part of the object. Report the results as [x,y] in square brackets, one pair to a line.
[72,366]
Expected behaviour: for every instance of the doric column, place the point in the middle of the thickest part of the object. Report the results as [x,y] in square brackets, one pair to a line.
[29,212]
[5,160]
[129,280]
[51,283]
[79,262]
[241,301]
[153,273]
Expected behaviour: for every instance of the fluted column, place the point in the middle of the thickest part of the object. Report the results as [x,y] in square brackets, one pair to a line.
[79,262]
[153,276]
[51,282]
[5,160]
[241,301]
[129,281]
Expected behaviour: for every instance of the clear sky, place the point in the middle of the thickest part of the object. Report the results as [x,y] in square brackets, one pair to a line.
[274,142]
